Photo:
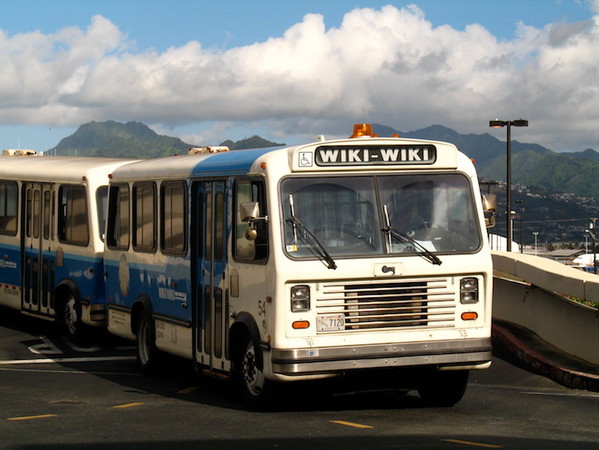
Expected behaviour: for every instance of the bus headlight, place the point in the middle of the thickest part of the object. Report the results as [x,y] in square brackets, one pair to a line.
[468,290]
[300,298]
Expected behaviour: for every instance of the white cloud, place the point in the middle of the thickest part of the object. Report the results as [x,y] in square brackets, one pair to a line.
[390,66]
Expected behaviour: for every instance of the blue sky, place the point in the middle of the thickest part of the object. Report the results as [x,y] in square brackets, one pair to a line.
[225,24]
[206,71]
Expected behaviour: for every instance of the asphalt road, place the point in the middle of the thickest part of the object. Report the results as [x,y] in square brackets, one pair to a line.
[54,394]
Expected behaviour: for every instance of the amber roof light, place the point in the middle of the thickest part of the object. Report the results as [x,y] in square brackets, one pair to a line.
[363,129]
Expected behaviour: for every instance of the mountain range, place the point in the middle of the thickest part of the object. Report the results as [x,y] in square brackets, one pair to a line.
[135,140]
[557,191]
[532,165]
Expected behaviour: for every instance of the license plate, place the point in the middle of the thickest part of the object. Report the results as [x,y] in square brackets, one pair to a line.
[330,322]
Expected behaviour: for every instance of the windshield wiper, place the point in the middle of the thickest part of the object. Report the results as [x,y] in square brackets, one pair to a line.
[319,249]
[421,250]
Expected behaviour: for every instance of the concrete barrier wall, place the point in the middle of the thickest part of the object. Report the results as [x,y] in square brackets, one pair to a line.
[529,291]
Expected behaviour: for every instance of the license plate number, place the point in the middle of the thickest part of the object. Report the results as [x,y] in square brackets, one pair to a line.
[330,322]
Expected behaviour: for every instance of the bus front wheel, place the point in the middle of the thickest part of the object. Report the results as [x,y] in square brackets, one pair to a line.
[444,388]
[250,380]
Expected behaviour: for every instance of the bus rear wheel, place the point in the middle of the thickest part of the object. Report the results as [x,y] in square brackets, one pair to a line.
[71,318]
[147,353]
[444,388]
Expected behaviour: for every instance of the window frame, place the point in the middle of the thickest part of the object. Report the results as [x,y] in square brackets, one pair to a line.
[65,215]
[136,201]
[114,217]
[5,219]
[174,250]
[260,196]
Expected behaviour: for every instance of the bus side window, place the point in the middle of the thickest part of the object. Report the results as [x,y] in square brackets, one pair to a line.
[102,206]
[8,207]
[28,212]
[47,219]
[173,237]
[250,250]
[117,227]
[144,216]
[72,215]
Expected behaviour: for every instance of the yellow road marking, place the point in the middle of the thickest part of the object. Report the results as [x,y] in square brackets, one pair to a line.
[128,405]
[188,390]
[350,424]
[42,416]
[475,444]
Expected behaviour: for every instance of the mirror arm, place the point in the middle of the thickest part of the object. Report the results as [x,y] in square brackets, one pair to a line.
[251,234]
[252,220]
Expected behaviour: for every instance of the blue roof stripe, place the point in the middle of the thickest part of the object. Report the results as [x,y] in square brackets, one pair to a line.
[229,163]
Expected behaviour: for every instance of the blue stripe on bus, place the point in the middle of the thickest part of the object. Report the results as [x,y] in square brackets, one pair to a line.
[71,256]
[85,271]
[74,257]
[10,265]
[9,247]
[168,294]
[235,162]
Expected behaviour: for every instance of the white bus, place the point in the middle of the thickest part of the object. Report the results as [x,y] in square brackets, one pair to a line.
[52,212]
[331,258]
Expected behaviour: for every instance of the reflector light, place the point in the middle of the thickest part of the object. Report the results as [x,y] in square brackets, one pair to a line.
[469,315]
[300,325]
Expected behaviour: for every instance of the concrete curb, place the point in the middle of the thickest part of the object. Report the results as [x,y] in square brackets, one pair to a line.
[503,338]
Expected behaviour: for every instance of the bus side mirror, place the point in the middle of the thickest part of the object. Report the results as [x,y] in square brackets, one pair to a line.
[250,212]
[489,209]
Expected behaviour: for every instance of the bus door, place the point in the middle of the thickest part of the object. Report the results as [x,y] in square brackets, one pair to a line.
[38,257]
[210,295]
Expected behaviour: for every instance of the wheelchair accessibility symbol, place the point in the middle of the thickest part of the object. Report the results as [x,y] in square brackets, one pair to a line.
[305,159]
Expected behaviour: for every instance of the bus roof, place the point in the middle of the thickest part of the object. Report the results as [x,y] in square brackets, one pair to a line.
[361,154]
[235,162]
[56,168]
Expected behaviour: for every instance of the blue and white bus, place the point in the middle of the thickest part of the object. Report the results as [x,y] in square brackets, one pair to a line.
[307,262]
[52,215]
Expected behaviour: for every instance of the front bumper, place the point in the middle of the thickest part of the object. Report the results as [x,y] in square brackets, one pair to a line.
[467,352]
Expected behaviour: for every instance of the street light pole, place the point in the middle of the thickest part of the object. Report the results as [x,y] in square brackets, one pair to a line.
[500,124]
[521,203]
[591,232]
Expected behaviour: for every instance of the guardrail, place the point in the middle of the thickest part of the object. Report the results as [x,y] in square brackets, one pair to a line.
[530,291]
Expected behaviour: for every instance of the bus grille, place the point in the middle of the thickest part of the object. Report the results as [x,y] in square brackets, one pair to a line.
[381,305]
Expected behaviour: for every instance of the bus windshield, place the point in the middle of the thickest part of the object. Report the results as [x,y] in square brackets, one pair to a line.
[384,214]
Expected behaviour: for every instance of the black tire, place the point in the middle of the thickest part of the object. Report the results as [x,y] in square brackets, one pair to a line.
[147,353]
[71,318]
[444,388]
[249,378]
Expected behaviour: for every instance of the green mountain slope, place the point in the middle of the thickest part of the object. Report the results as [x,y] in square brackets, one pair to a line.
[114,139]
[538,173]
[134,140]
[252,142]
[532,164]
